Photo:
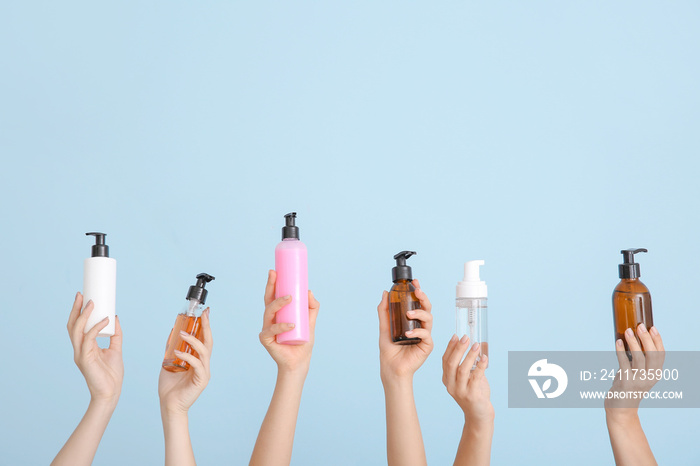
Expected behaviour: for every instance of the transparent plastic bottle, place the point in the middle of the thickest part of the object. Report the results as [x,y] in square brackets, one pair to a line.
[188,321]
[472,309]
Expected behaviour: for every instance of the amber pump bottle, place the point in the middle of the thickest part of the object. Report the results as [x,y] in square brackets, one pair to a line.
[189,321]
[402,298]
[631,298]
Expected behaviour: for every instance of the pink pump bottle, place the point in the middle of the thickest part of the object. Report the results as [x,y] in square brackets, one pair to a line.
[293,280]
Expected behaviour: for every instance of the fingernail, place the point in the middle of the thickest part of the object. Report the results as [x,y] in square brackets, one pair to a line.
[476,346]
[454,337]
[178,352]
[629,332]
[410,313]
[288,296]
[409,332]
[291,325]
[619,343]
[654,331]
[642,328]
[183,333]
[464,339]
[77,294]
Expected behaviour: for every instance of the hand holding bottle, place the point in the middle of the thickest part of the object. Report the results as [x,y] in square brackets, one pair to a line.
[639,374]
[287,357]
[471,391]
[102,368]
[468,387]
[629,444]
[179,390]
[404,360]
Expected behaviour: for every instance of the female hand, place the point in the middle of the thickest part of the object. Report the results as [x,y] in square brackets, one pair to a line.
[468,387]
[634,374]
[102,368]
[287,357]
[179,390]
[404,360]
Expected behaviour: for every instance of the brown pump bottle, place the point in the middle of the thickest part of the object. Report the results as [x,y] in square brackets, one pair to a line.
[402,298]
[631,299]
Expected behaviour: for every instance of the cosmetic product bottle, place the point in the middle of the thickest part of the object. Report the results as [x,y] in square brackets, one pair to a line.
[631,298]
[293,280]
[402,298]
[189,320]
[100,285]
[472,319]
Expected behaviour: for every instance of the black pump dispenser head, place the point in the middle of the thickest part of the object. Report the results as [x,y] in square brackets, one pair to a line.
[290,230]
[99,249]
[630,269]
[197,291]
[402,271]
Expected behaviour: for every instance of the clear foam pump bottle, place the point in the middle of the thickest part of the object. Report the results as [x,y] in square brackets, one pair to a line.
[472,317]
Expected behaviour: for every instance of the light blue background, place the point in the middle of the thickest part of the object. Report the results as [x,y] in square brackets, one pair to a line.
[541,136]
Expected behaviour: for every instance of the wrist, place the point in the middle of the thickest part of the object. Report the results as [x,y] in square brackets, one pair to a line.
[482,421]
[392,380]
[296,372]
[170,412]
[104,402]
[621,416]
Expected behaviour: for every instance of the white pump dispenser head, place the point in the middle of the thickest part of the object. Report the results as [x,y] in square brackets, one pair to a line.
[472,286]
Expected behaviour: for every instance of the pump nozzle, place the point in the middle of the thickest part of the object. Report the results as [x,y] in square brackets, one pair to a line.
[402,271]
[290,230]
[629,269]
[472,286]
[197,290]
[99,249]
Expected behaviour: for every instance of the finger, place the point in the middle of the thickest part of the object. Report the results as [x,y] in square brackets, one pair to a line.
[270,287]
[481,366]
[383,313]
[196,345]
[79,327]
[447,375]
[314,307]
[621,354]
[460,348]
[273,330]
[273,307]
[75,311]
[465,367]
[656,336]
[207,338]
[200,371]
[425,317]
[635,349]
[422,297]
[423,334]
[115,341]
[645,337]
[469,361]
[91,336]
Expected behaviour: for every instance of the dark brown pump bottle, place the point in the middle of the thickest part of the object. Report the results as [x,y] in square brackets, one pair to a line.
[631,299]
[402,298]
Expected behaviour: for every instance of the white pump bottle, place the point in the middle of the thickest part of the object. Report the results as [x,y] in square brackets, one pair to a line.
[100,285]
[472,319]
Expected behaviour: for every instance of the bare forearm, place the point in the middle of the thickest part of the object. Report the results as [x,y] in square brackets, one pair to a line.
[276,438]
[178,446]
[475,445]
[629,444]
[404,441]
[82,445]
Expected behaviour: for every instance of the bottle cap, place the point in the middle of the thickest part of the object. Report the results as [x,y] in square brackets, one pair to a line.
[402,271]
[472,286]
[99,249]
[290,230]
[629,269]
[197,290]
